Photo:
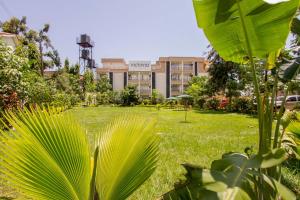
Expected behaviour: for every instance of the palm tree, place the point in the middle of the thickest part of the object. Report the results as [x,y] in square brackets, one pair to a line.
[47,156]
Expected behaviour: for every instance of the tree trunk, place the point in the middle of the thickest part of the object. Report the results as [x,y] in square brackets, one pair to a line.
[41,59]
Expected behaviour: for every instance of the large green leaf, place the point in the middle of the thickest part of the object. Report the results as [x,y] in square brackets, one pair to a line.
[127,156]
[291,70]
[232,177]
[236,26]
[46,156]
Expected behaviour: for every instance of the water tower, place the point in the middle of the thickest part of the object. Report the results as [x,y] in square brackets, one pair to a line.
[86,60]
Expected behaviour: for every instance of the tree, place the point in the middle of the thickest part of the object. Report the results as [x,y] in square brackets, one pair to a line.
[198,88]
[31,38]
[129,96]
[43,41]
[227,77]
[15,26]
[103,84]
[88,82]
[67,65]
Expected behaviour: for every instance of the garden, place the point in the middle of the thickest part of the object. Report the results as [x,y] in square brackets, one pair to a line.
[68,135]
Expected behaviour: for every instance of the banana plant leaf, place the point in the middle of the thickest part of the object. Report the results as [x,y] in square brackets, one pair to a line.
[232,177]
[236,27]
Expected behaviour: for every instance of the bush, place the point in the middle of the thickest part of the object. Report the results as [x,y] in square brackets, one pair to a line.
[61,100]
[212,104]
[75,99]
[242,105]
[146,102]
[103,98]
[91,99]
[129,96]
[200,102]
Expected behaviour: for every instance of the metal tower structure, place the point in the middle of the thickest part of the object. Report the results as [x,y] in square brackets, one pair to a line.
[86,61]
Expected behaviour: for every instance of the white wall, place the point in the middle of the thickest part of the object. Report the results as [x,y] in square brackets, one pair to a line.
[9,41]
[118,82]
[161,83]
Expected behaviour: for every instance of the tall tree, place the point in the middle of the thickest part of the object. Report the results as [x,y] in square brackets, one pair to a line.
[43,41]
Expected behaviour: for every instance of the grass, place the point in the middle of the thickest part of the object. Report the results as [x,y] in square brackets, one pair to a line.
[205,137]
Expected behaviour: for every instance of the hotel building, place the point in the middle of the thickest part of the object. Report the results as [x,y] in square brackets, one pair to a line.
[169,75]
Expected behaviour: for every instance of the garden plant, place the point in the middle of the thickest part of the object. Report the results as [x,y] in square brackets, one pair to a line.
[243,31]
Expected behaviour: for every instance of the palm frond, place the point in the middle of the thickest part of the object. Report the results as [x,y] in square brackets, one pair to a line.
[46,156]
[127,157]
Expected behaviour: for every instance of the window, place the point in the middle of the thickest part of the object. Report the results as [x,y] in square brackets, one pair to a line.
[292,99]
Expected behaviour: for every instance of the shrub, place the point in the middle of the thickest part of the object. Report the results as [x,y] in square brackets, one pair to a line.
[146,102]
[129,96]
[103,98]
[74,98]
[243,105]
[200,102]
[61,100]
[212,103]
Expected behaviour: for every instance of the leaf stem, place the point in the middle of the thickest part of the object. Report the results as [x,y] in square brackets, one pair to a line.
[255,80]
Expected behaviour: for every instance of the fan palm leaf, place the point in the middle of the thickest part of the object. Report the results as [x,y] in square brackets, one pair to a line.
[46,156]
[127,157]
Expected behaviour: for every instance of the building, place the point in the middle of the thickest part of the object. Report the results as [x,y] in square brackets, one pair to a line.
[169,75]
[9,39]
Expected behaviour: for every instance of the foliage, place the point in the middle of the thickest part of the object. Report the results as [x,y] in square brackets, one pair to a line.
[291,134]
[103,84]
[156,97]
[38,90]
[51,149]
[198,88]
[34,42]
[226,19]
[243,105]
[12,85]
[233,177]
[88,81]
[62,100]
[230,28]
[14,25]
[103,98]
[128,154]
[129,96]
[212,103]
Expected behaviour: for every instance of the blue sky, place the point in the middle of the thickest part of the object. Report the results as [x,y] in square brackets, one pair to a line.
[133,29]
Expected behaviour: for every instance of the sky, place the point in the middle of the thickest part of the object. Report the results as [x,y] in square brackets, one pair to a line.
[130,29]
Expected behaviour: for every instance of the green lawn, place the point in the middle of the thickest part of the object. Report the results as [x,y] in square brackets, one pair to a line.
[204,138]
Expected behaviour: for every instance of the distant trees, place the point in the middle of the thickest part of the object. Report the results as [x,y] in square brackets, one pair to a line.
[33,44]
[226,77]
[103,84]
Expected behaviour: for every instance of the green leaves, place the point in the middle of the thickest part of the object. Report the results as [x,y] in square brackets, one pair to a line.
[292,70]
[128,155]
[47,156]
[235,176]
[236,27]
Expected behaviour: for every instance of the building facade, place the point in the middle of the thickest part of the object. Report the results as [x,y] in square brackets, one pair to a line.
[9,39]
[169,75]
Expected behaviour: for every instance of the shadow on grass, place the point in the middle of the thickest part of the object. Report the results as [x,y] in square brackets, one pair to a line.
[185,122]
[6,198]
[212,112]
